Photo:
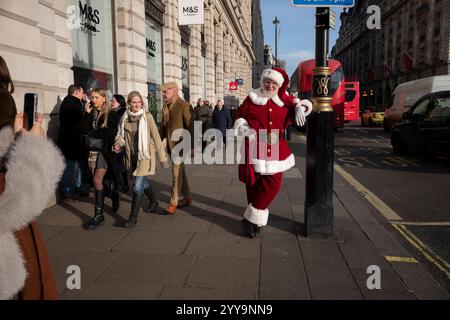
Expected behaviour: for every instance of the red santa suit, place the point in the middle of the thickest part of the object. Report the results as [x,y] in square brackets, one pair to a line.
[270,118]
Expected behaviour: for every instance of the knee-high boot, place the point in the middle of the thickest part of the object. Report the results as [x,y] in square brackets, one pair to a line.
[135,207]
[153,204]
[98,219]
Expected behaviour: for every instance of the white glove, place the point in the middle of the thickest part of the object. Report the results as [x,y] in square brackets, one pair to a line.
[300,115]
[246,131]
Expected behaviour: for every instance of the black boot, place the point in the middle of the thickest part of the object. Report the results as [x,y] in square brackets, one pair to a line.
[115,200]
[125,186]
[112,192]
[135,207]
[252,229]
[153,205]
[98,219]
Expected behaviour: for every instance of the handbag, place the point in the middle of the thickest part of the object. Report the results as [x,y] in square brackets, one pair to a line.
[94,144]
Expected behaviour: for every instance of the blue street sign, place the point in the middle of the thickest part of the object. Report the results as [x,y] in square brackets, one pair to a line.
[323,3]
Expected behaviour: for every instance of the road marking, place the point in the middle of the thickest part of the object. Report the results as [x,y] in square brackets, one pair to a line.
[384,209]
[400,259]
[424,250]
[430,224]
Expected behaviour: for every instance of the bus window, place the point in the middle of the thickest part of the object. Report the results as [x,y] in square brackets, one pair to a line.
[336,79]
[350,95]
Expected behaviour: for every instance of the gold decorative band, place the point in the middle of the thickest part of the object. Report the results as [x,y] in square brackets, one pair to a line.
[322,71]
[322,104]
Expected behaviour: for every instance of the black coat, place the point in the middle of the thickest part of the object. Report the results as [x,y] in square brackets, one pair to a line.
[8,109]
[222,119]
[108,136]
[69,134]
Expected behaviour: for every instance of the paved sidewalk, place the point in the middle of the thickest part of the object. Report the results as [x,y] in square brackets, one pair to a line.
[201,252]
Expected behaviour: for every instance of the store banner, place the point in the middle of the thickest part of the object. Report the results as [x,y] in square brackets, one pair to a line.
[190,12]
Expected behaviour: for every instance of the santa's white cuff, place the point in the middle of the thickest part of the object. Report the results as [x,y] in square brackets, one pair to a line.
[256,216]
[240,124]
[305,104]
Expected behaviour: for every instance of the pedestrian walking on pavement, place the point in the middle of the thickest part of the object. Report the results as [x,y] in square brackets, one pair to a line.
[203,113]
[267,108]
[100,126]
[119,105]
[177,114]
[70,141]
[138,136]
[221,119]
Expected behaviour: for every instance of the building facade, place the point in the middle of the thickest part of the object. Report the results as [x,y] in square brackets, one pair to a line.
[125,45]
[412,43]
[257,43]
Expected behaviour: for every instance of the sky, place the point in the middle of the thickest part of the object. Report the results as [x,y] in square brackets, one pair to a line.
[296,40]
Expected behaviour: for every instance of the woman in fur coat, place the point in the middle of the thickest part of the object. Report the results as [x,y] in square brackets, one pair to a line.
[31,168]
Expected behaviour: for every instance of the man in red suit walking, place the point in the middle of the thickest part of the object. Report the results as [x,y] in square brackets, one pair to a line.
[262,119]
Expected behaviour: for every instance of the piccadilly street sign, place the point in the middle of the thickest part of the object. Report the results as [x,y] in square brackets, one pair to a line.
[323,3]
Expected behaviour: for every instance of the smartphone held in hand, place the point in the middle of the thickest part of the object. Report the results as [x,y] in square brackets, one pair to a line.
[30,108]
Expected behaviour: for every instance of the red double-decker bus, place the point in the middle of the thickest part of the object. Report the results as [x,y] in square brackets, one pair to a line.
[337,86]
[351,107]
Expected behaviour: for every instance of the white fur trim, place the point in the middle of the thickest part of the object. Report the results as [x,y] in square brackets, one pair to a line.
[6,137]
[34,166]
[273,166]
[276,99]
[239,123]
[256,216]
[305,104]
[272,75]
[257,98]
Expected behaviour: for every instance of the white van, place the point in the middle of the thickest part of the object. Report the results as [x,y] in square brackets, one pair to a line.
[407,94]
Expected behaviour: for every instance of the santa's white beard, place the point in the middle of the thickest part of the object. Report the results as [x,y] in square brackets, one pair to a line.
[267,94]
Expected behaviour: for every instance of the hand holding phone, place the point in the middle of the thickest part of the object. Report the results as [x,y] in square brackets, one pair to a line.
[88,107]
[19,124]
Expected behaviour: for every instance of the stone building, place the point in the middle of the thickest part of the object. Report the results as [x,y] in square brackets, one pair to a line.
[411,43]
[258,42]
[125,45]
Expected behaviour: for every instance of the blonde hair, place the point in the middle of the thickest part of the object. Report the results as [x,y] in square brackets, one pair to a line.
[106,108]
[134,94]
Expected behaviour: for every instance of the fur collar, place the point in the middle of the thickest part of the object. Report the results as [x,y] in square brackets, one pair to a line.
[257,98]
[6,138]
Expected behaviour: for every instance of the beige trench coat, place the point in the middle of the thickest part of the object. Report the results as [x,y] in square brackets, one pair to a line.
[144,167]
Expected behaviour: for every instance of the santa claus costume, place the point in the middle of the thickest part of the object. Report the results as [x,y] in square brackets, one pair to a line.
[263,119]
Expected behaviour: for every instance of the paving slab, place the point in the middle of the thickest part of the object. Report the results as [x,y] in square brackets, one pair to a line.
[102,239]
[113,291]
[223,245]
[92,263]
[280,248]
[285,280]
[164,242]
[225,273]
[190,293]
[180,224]
[151,269]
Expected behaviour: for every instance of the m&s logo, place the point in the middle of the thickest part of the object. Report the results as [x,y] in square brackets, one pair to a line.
[83,17]
[190,10]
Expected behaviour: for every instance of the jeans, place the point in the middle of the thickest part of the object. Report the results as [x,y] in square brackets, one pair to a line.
[140,184]
[66,184]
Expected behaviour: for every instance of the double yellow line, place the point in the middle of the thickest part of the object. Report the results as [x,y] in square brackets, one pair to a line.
[398,224]
[440,263]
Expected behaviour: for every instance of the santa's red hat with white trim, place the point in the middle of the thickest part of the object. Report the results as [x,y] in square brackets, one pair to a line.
[280,76]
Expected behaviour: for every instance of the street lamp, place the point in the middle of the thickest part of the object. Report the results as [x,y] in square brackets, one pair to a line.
[276,22]
[320,136]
